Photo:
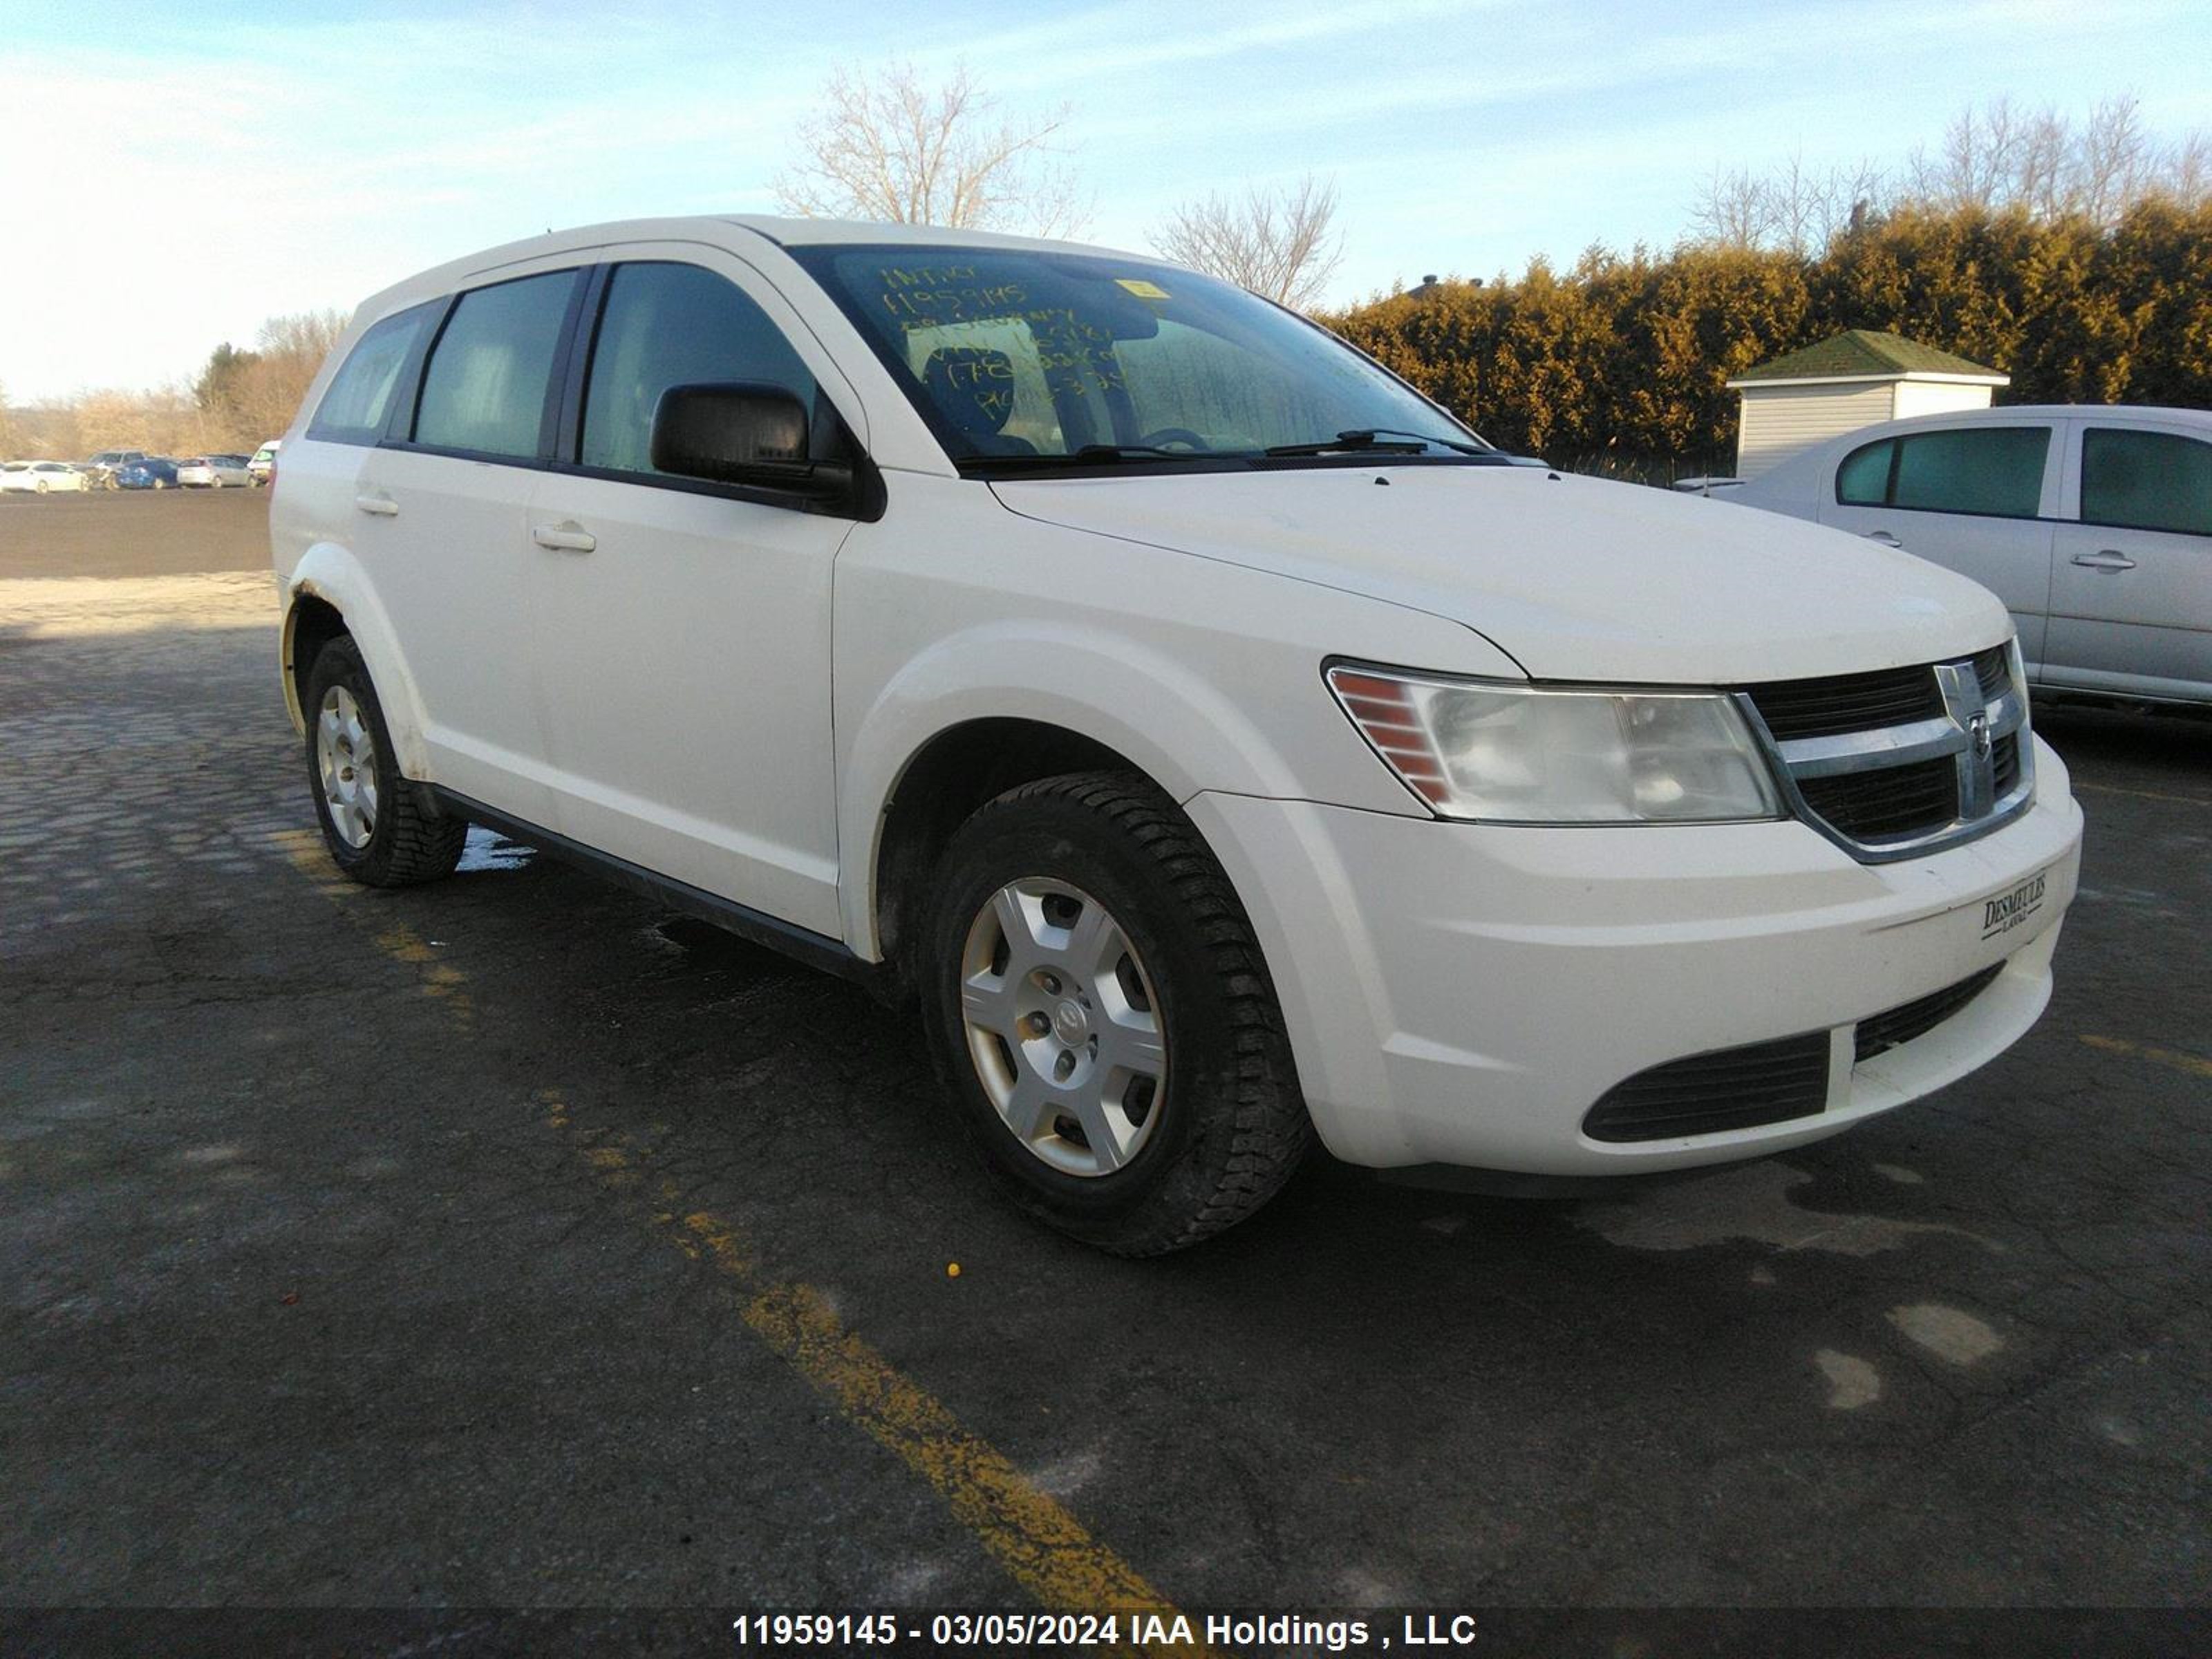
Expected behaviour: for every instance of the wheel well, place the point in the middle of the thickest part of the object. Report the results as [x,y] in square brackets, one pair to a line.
[958,772]
[315,623]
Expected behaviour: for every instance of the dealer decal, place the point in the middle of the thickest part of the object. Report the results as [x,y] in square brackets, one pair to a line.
[2008,910]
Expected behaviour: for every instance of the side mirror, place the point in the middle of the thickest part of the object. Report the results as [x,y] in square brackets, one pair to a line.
[741,433]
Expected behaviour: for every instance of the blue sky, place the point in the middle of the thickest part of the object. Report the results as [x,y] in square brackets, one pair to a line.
[176,174]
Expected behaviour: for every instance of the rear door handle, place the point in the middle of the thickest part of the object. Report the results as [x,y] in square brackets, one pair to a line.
[569,538]
[377,503]
[2104,559]
[1885,539]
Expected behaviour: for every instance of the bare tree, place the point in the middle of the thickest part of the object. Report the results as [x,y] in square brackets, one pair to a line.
[1976,165]
[1280,243]
[250,396]
[1995,158]
[2113,160]
[1731,209]
[2188,171]
[1794,207]
[887,146]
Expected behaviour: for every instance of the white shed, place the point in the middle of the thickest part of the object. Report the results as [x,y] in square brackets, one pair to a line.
[1853,380]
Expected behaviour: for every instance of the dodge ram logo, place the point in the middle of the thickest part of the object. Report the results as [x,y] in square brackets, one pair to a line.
[1967,706]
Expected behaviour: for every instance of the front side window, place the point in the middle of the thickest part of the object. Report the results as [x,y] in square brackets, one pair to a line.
[359,402]
[484,388]
[2146,481]
[675,325]
[1013,353]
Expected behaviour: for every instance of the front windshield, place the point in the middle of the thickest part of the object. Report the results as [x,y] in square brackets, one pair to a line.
[1016,356]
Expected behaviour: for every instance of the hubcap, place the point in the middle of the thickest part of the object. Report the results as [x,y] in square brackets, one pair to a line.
[1062,1026]
[345,755]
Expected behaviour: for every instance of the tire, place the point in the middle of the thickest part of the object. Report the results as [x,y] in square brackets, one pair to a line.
[1216,1125]
[380,829]
[39,485]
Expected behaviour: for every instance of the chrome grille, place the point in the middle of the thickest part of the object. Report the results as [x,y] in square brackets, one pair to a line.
[1902,761]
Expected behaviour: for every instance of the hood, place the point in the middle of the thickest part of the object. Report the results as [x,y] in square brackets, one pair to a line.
[1574,578]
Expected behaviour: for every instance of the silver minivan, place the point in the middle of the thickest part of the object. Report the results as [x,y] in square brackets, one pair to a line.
[2093,523]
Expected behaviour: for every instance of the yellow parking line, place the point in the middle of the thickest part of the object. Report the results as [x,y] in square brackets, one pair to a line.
[1037,1540]
[2138,794]
[2192,1064]
[1040,1544]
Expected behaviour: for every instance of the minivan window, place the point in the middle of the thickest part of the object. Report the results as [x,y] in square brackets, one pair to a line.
[1995,471]
[2146,481]
[667,324]
[1015,353]
[484,389]
[359,402]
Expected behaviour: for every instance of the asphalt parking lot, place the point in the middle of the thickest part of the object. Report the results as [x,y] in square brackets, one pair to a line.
[509,1243]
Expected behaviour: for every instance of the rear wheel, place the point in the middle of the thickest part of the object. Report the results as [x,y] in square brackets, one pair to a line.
[1103,1019]
[379,828]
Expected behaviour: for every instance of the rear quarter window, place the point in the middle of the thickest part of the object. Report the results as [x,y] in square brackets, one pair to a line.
[358,404]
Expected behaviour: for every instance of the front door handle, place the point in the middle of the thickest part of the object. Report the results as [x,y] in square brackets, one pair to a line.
[1885,539]
[377,503]
[2104,559]
[570,538]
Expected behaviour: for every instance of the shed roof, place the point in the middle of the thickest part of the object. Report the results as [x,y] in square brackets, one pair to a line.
[1865,354]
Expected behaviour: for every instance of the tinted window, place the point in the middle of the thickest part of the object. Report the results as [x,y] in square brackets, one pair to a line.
[1864,478]
[671,325]
[2146,481]
[484,390]
[1995,470]
[354,410]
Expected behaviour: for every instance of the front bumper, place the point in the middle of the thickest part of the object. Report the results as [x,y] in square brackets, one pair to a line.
[1464,994]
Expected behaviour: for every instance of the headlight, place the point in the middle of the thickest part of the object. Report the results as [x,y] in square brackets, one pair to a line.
[1510,754]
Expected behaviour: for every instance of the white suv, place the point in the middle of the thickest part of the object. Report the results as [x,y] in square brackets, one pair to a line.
[1218,742]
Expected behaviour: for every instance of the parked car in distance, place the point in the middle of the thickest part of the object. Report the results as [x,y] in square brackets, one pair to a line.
[148,473]
[102,467]
[212,471]
[2093,523]
[263,466]
[43,478]
[1217,744]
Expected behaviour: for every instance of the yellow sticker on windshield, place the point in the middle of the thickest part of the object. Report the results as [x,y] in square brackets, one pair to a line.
[1142,289]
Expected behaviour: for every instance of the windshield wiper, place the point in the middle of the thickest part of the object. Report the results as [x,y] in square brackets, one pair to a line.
[1386,440]
[1122,452]
[1098,455]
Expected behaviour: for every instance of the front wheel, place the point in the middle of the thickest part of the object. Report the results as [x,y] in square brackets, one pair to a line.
[1105,1024]
[379,828]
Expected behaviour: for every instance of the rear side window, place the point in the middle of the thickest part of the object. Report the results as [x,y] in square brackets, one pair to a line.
[359,402]
[2146,481]
[1995,471]
[484,389]
[675,325]
[1864,478]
